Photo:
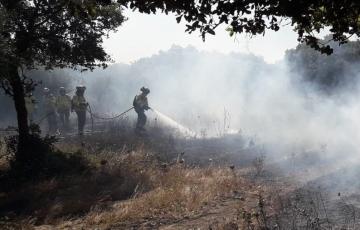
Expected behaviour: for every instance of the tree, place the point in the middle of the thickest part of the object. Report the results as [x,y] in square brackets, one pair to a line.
[342,17]
[327,73]
[69,33]
[52,34]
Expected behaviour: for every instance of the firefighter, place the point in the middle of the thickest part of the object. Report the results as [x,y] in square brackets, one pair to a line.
[50,111]
[30,104]
[140,104]
[79,105]
[63,105]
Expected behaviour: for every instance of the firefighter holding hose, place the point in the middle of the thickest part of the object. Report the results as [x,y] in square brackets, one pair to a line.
[140,104]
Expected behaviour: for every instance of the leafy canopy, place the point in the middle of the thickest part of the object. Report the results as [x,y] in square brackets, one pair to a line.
[56,33]
[329,74]
[342,17]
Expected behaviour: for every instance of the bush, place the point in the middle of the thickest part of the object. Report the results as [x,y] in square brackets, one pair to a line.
[40,161]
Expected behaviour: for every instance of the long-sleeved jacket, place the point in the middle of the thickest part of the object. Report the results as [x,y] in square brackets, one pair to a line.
[79,103]
[140,102]
[30,104]
[63,103]
[50,104]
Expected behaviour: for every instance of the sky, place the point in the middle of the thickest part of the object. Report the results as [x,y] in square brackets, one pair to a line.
[144,35]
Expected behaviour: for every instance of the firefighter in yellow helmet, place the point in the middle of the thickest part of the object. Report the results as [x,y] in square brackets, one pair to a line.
[140,104]
[79,105]
[50,110]
[63,105]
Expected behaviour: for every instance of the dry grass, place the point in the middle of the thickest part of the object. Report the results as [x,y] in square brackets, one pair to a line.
[178,192]
[128,182]
[128,185]
[75,194]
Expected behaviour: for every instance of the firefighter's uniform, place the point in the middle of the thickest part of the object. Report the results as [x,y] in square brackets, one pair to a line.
[79,105]
[30,104]
[63,105]
[50,110]
[140,104]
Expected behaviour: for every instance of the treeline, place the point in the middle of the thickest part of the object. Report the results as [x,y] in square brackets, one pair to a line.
[186,81]
[327,73]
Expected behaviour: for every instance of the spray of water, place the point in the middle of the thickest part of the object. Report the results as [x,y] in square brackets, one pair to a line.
[172,123]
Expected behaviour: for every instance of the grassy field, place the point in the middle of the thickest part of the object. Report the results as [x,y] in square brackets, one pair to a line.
[164,181]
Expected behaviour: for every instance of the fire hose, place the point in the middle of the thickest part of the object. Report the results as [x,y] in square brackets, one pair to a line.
[92,116]
[108,118]
[43,117]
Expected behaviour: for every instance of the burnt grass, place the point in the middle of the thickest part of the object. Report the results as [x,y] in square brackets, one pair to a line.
[96,170]
[82,174]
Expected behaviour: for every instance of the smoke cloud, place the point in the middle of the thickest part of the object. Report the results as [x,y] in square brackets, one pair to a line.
[287,106]
[213,94]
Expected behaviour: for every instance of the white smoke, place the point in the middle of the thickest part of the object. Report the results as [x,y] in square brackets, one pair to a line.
[216,94]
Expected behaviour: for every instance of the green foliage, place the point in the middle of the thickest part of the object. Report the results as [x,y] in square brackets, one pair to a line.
[257,16]
[57,33]
[49,33]
[41,161]
[327,73]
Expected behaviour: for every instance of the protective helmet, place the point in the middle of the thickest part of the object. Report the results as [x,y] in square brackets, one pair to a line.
[145,90]
[62,90]
[80,88]
[46,90]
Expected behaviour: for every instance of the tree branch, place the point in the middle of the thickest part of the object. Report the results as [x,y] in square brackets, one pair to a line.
[5,85]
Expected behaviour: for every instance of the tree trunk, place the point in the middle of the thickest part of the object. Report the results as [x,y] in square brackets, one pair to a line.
[19,101]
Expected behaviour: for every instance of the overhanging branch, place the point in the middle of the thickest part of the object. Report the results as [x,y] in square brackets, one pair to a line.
[5,85]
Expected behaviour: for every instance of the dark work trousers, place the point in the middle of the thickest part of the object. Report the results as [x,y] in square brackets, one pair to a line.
[30,117]
[64,119]
[141,120]
[81,114]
